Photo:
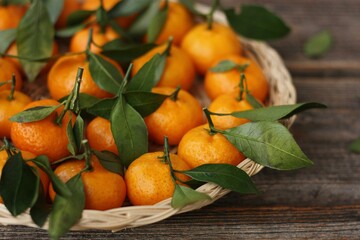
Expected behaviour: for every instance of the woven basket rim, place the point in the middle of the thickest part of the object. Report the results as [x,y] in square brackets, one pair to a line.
[135,216]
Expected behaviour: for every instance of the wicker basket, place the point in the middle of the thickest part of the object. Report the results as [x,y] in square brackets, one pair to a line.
[282,91]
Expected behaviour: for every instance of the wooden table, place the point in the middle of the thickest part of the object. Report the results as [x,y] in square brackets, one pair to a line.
[321,202]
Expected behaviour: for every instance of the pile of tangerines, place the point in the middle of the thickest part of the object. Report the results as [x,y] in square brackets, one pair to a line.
[196,50]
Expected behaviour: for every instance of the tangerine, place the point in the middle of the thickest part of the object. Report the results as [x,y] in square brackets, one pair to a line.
[218,83]
[174,117]
[10,107]
[199,146]
[103,189]
[61,78]
[11,16]
[179,69]
[69,7]
[205,46]
[148,178]
[7,69]
[44,136]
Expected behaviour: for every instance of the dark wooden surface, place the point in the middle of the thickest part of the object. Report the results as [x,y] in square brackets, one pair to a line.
[321,202]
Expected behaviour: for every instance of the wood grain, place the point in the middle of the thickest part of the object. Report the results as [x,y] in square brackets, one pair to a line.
[321,202]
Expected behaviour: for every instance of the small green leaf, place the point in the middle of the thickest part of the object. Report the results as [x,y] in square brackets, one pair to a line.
[125,53]
[72,146]
[184,196]
[60,188]
[67,211]
[41,209]
[19,185]
[157,24]
[224,175]
[78,17]
[110,161]
[101,17]
[129,131]
[78,130]
[257,22]
[224,66]
[104,73]
[275,113]
[34,114]
[145,103]
[149,75]
[318,45]
[355,146]
[102,108]
[35,35]
[70,31]
[54,8]
[6,38]
[128,7]
[269,144]
[140,25]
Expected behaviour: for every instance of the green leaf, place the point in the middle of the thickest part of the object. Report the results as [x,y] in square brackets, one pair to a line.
[19,185]
[149,75]
[75,135]
[145,103]
[184,196]
[157,24]
[318,45]
[269,144]
[224,66]
[84,99]
[110,161]
[102,108]
[125,53]
[67,211]
[104,73]
[355,146]
[6,38]
[101,17]
[257,22]
[253,101]
[140,25]
[35,35]
[70,31]
[54,8]
[60,188]
[129,131]
[41,209]
[128,7]
[34,114]
[225,175]
[72,146]
[78,17]
[275,113]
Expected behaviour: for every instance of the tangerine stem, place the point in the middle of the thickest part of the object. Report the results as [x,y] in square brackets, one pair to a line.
[125,80]
[242,88]
[167,51]
[167,158]
[209,16]
[88,44]
[211,123]
[88,153]
[12,90]
[174,96]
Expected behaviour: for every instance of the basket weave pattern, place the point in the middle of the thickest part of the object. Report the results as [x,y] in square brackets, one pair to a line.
[281,92]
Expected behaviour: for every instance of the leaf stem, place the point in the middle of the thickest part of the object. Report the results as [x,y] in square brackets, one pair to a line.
[212,130]
[175,94]
[167,159]
[12,90]
[88,44]
[88,154]
[209,16]
[167,51]
[72,102]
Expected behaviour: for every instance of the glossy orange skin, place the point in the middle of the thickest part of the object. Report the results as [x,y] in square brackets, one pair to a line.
[99,135]
[206,46]
[61,78]
[179,69]
[43,137]
[178,23]
[11,16]
[7,69]
[218,83]
[8,108]
[69,7]
[12,50]
[103,189]
[148,179]
[173,118]
[199,147]
[108,4]
[26,156]
[228,103]
[79,41]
